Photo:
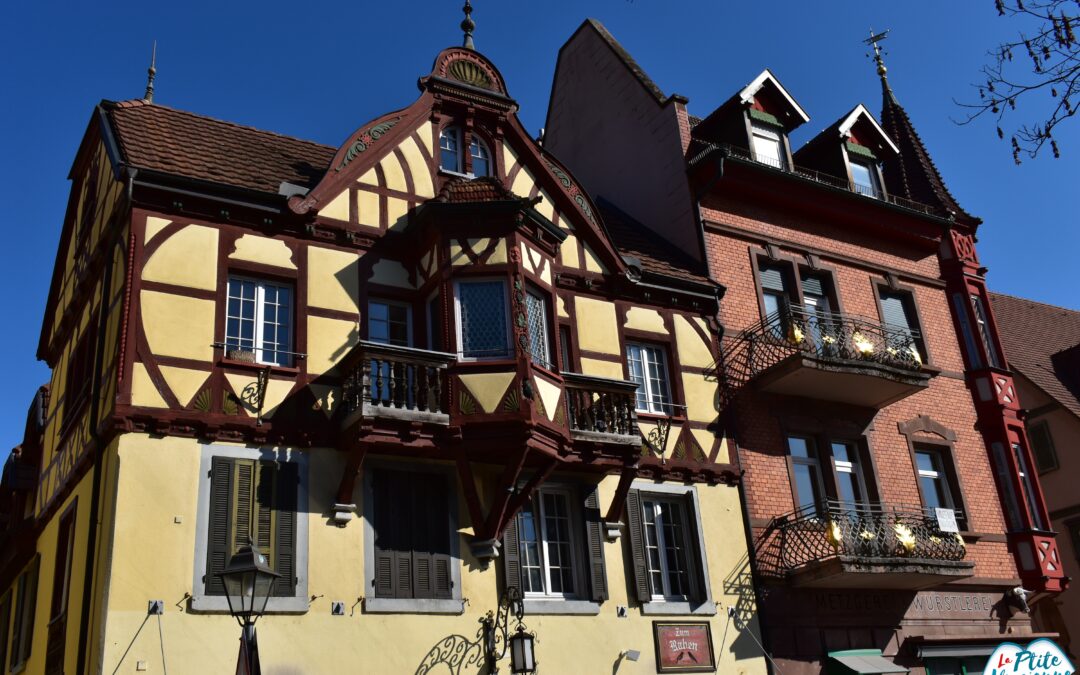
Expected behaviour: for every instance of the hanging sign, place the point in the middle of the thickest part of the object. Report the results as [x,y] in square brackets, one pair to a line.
[946,520]
[683,647]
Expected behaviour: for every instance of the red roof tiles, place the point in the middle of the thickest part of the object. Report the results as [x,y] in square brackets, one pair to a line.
[657,255]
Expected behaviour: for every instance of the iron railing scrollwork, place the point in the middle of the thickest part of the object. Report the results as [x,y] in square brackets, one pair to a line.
[866,532]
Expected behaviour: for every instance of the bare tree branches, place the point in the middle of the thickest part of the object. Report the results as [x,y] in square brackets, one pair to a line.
[1044,61]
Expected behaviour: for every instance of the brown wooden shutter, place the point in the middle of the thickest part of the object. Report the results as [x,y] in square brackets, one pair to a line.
[383,575]
[243,503]
[636,530]
[285,515]
[219,539]
[438,509]
[594,545]
[695,555]
[511,552]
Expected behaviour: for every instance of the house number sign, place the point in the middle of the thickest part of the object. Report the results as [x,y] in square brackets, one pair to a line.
[683,647]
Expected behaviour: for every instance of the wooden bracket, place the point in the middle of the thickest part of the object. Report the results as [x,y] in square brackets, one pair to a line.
[618,502]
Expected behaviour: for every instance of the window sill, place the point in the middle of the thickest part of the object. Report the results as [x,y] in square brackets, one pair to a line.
[218,604]
[555,606]
[291,371]
[644,415]
[662,608]
[412,606]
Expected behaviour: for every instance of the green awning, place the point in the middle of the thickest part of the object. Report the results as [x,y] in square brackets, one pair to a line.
[861,662]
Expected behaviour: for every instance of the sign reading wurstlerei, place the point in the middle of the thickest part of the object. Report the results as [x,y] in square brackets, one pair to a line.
[683,647]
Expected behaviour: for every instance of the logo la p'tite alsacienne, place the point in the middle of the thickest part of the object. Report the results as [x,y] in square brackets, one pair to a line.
[1041,657]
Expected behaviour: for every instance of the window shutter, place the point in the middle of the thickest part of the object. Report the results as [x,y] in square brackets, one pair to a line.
[439,530]
[218,545]
[243,497]
[893,311]
[511,553]
[385,563]
[695,556]
[637,546]
[813,286]
[285,515]
[772,279]
[594,542]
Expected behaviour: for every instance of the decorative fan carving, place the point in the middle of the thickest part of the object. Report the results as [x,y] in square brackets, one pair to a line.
[469,73]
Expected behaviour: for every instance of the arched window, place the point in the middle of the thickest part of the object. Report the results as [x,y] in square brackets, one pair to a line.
[481,157]
[450,149]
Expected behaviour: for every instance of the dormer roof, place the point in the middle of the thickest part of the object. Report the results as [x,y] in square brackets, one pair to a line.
[767,81]
[858,126]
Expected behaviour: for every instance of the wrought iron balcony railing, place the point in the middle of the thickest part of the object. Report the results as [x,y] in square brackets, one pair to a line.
[601,409]
[864,532]
[824,179]
[391,381]
[825,336]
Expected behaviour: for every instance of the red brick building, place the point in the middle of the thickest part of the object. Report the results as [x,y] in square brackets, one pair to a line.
[863,386]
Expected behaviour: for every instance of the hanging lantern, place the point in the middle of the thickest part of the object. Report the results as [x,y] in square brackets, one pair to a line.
[522,654]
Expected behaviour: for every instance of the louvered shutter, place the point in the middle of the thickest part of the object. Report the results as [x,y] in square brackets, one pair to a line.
[384,576]
[893,311]
[439,504]
[594,543]
[813,286]
[694,555]
[772,279]
[511,553]
[285,514]
[243,494]
[638,561]
[218,545]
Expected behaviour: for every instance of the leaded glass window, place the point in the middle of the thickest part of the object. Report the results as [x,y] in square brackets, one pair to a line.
[539,349]
[483,328]
[258,319]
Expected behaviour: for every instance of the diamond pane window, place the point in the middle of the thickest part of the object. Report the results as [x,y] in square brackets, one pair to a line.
[483,326]
[539,348]
[258,319]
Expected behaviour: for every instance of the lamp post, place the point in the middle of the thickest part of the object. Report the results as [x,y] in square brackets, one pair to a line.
[520,644]
[248,581]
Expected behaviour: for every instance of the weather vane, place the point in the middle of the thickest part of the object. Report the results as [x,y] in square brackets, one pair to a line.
[875,41]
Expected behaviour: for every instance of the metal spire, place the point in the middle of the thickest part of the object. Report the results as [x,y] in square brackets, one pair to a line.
[150,73]
[875,42]
[468,25]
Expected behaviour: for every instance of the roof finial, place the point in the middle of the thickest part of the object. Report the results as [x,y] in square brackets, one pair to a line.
[150,73]
[468,25]
[875,41]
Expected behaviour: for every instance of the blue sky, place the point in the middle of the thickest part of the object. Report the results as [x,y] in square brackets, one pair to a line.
[319,70]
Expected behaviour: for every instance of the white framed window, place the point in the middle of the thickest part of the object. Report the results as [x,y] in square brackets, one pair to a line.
[648,368]
[258,319]
[984,329]
[667,542]
[1028,487]
[390,323]
[864,179]
[768,146]
[480,156]
[547,538]
[539,341]
[483,321]
[935,483]
[450,149]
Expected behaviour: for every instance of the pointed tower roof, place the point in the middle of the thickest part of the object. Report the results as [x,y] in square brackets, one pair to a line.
[911,174]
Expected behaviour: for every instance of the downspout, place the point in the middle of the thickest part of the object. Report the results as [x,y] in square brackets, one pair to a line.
[99,453]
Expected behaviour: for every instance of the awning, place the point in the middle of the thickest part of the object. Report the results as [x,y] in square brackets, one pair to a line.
[861,662]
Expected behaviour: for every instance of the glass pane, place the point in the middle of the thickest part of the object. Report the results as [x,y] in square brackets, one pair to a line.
[864,182]
[925,461]
[536,308]
[806,486]
[481,158]
[657,378]
[449,155]
[637,375]
[483,319]
[933,495]
[801,447]
[840,452]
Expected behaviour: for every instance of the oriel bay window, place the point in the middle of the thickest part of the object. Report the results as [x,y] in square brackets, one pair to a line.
[553,549]
[670,572]
[647,367]
[483,323]
[259,321]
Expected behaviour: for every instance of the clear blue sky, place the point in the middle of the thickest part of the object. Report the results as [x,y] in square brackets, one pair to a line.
[318,70]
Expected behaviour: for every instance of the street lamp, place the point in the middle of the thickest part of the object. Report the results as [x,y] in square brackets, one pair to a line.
[248,580]
[494,631]
[522,656]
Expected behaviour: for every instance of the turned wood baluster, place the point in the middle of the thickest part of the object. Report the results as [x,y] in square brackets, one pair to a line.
[438,389]
[412,372]
[377,364]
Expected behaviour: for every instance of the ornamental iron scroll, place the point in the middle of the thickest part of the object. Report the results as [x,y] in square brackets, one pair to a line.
[254,394]
[458,654]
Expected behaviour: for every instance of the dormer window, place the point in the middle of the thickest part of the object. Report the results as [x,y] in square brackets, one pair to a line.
[480,156]
[768,146]
[450,150]
[864,178]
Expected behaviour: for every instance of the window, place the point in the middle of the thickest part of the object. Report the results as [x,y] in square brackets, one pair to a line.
[1012,506]
[864,179]
[389,323]
[564,349]
[411,559]
[259,320]
[768,146]
[57,632]
[776,296]
[554,549]
[648,368]
[483,326]
[850,478]
[965,331]
[256,494]
[435,324]
[22,627]
[536,308]
[901,323]
[937,480]
[1042,446]
[805,464]
[984,330]
[450,149]
[668,562]
[80,374]
[1027,484]
[480,156]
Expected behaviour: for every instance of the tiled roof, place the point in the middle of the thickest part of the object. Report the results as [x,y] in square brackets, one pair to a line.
[635,69]
[1040,342]
[179,143]
[465,190]
[657,255]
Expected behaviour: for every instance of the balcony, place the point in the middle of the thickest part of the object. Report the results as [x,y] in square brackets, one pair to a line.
[842,545]
[825,356]
[601,410]
[402,383]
